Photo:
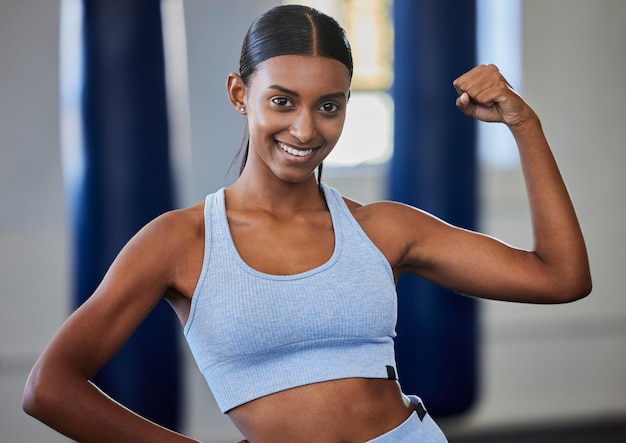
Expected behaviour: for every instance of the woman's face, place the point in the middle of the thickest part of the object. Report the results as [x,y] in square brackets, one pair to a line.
[296,107]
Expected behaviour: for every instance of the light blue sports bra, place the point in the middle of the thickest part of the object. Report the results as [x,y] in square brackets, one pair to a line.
[253,334]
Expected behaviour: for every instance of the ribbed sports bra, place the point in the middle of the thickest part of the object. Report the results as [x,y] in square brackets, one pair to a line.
[253,334]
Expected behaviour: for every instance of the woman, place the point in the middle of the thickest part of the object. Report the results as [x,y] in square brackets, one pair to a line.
[286,289]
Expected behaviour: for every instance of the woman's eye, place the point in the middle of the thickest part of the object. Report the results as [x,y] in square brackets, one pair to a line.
[281,101]
[329,107]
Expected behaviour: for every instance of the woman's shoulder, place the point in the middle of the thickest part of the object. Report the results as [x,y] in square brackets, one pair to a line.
[383,211]
[183,216]
[173,229]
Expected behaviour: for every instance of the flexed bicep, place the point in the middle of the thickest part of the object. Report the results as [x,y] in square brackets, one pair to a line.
[464,261]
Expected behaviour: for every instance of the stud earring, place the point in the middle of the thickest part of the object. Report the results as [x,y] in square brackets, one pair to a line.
[242,109]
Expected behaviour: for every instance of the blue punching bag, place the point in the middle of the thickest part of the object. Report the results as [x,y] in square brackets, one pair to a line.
[124,182]
[434,168]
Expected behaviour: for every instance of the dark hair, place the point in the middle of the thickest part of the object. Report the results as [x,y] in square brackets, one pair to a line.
[292,30]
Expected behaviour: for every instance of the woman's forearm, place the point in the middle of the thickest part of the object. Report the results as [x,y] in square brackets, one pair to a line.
[78,409]
[559,242]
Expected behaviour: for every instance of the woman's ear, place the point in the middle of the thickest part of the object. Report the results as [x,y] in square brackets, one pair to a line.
[236,92]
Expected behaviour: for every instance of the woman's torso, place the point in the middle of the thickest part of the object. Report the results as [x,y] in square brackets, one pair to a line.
[349,409]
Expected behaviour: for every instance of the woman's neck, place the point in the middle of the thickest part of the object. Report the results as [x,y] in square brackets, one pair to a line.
[274,195]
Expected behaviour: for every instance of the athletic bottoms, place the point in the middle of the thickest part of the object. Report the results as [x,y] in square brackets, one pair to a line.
[418,428]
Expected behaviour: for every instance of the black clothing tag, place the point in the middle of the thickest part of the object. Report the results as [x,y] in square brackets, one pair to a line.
[391,373]
[421,411]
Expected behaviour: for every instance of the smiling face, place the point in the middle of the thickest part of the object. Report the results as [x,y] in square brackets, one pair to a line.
[296,107]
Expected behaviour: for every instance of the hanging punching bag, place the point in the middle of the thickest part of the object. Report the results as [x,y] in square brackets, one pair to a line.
[434,168]
[122,183]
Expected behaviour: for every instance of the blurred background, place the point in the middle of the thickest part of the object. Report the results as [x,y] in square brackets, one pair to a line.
[541,367]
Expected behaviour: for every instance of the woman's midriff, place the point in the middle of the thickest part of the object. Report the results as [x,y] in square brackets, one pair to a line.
[352,410]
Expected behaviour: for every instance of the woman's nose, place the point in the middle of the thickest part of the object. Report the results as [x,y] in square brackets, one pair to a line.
[303,127]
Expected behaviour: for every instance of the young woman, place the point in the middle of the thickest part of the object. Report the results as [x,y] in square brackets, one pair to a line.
[286,289]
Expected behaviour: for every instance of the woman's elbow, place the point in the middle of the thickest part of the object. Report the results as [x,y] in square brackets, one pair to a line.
[32,397]
[38,396]
[583,289]
[572,289]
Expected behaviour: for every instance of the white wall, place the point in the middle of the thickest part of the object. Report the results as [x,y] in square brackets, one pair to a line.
[33,238]
[539,362]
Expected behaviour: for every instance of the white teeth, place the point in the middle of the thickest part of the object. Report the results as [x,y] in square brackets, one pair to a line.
[293,151]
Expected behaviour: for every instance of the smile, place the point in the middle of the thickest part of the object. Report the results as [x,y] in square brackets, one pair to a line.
[293,151]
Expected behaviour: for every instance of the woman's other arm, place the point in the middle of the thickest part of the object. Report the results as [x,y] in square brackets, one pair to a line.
[58,391]
[556,270]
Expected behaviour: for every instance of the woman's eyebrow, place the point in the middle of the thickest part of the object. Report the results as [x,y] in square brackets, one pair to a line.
[283,89]
[295,94]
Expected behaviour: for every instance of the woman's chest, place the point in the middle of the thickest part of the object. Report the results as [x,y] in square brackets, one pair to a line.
[283,246]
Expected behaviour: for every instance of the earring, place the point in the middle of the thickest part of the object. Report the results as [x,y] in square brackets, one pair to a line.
[242,109]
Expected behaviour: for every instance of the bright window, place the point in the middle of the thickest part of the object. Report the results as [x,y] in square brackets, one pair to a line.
[499,42]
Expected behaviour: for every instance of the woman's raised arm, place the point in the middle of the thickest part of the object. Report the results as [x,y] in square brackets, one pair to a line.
[555,271]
